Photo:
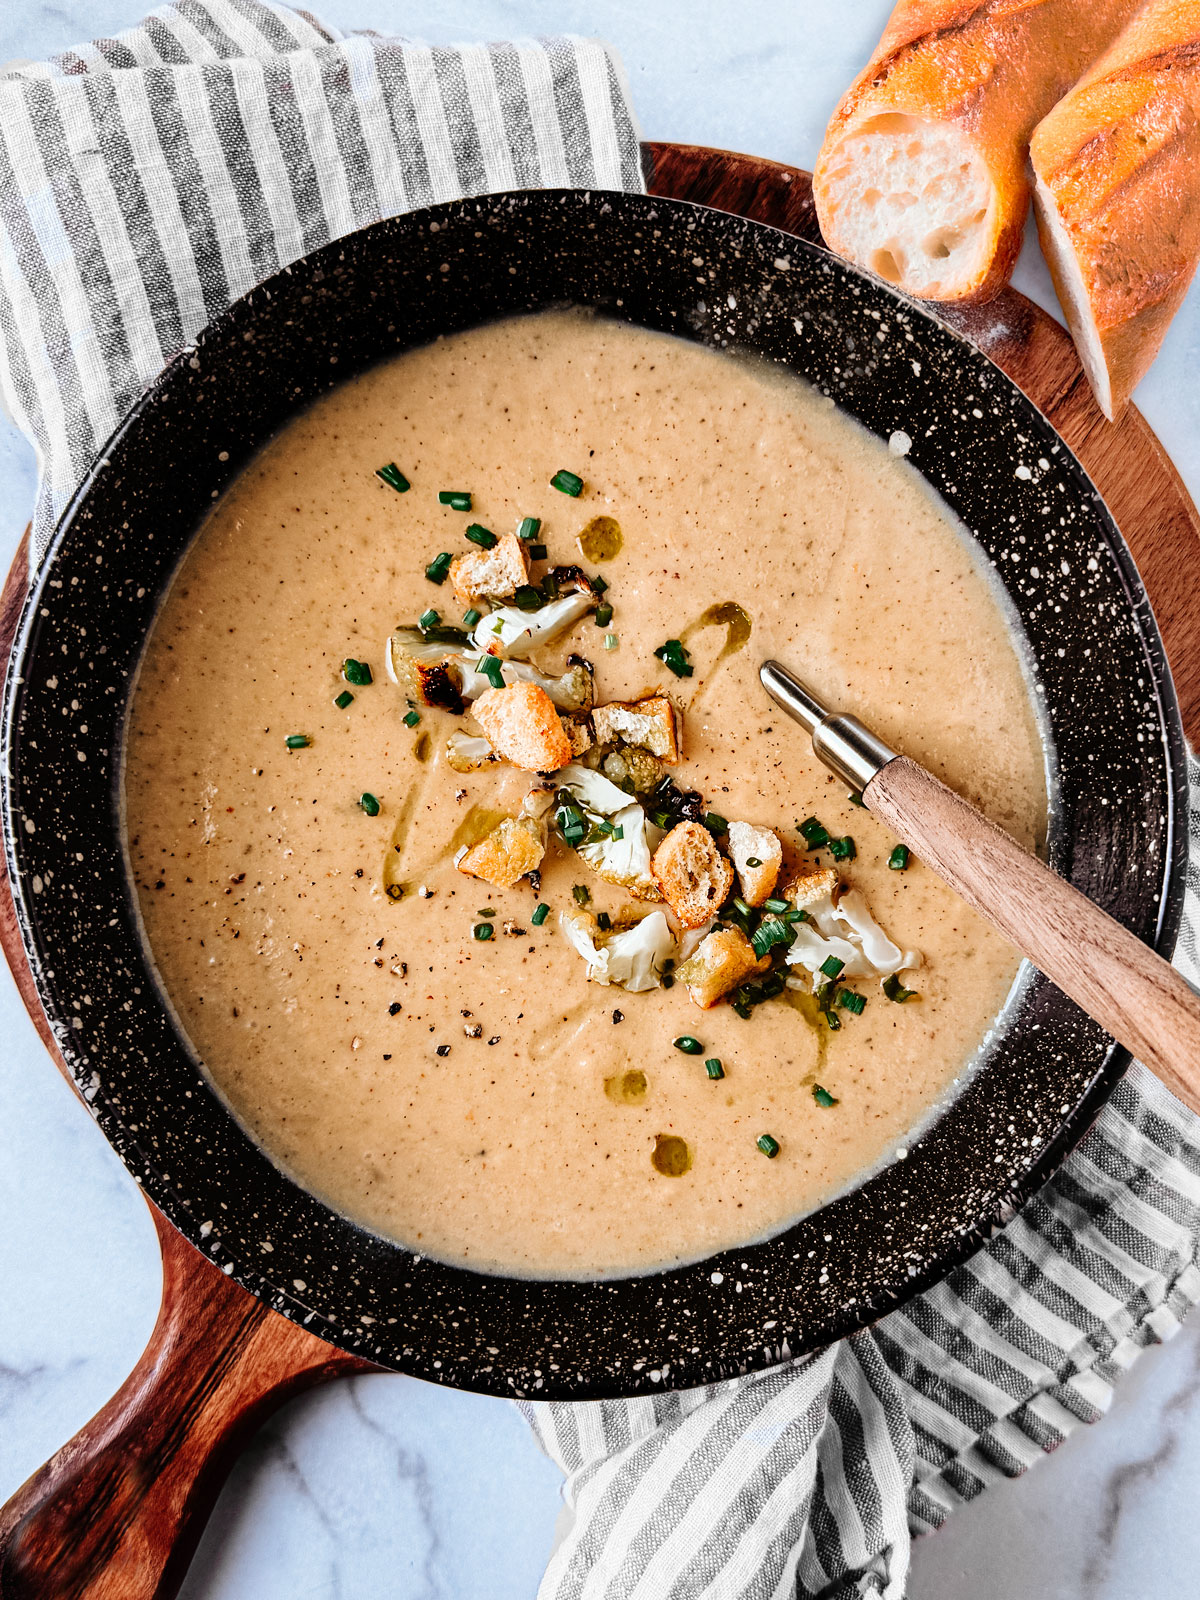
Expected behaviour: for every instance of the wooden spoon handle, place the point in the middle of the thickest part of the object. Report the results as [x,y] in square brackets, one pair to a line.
[1132,992]
[118,1511]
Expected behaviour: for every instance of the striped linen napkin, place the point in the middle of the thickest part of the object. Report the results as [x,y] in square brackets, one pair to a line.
[146,181]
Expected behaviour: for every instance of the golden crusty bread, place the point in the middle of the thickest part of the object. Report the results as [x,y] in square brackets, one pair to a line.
[922,176]
[692,873]
[1117,191]
[522,725]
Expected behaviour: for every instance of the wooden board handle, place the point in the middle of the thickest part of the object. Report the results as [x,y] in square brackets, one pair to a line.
[1132,992]
[117,1513]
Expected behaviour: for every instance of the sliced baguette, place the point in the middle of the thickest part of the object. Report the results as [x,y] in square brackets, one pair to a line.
[1116,168]
[922,175]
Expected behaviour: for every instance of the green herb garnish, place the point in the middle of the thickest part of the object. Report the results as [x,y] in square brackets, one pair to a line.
[898,860]
[393,477]
[428,619]
[753,861]
[482,930]
[369,803]
[815,834]
[581,894]
[770,932]
[843,849]
[851,1002]
[714,1068]
[411,718]
[768,1146]
[775,904]
[673,655]
[540,914]
[298,741]
[456,499]
[527,598]
[567,483]
[855,798]
[343,700]
[492,670]
[356,672]
[530,528]
[483,537]
[438,568]
[715,823]
[486,911]
[895,990]
[611,641]
[823,1097]
[689,1046]
[471,617]
[538,552]
[832,967]
[603,616]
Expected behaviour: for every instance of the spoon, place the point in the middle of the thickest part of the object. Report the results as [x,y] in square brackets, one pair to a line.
[1120,982]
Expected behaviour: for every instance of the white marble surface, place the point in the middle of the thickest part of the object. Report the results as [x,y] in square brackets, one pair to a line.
[386,1487]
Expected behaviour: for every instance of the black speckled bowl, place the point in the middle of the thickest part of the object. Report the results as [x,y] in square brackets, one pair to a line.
[1117,763]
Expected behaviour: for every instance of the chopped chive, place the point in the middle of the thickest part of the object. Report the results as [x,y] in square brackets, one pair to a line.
[471,617]
[662,819]
[492,670]
[753,861]
[483,537]
[898,860]
[456,499]
[689,1046]
[603,616]
[540,914]
[843,849]
[603,921]
[895,990]
[549,582]
[298,741]
[815,835]
[411,718]
[343,700]
[482,930]
[527,598]
[855,798]
[714,1068]
[599,584]
[356,672]
[428,619]
[486,911]
[832,1021]
[768,1146]
[581,894]
[530,528]
[794,914]
[369,803]
[567,482]
[823,1097]
[673,655]
[851,1002]
[538,552]
[770,932]
[611,641]
[619,831]
[742,908]
[715,823]
[832,967]
[775,904]
[393,477]
[438,568]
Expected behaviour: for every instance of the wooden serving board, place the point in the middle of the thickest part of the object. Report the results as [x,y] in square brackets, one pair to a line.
[117,1513]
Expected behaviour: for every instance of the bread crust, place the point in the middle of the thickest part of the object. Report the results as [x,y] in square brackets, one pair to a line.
[991,69]
[1117,165]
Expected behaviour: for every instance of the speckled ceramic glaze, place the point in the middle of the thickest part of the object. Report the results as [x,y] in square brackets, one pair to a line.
[1116,758]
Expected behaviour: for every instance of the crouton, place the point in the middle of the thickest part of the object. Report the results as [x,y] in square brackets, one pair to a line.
[692,873]
[649,723]
[491,574]
[580,736]
[747,844]
[723,959]
[522,725]
[810,887]
[506,854]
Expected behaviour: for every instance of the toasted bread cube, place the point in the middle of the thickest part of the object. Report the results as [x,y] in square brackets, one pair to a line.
[648,723]
[491,574]
[692,873]
[522,725]
[746,844]
[811,887]
[720,963]
[507,854]
[580,736]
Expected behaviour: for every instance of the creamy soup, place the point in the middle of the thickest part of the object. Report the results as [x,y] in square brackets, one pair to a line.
[476,1096]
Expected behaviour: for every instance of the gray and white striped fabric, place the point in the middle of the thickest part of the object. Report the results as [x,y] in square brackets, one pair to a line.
[149,179]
